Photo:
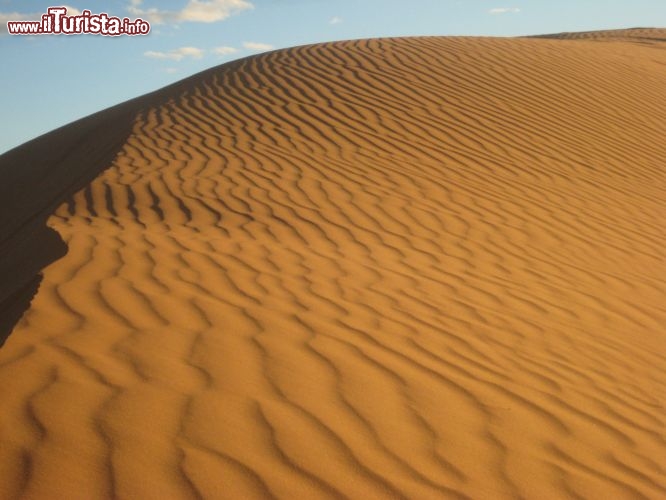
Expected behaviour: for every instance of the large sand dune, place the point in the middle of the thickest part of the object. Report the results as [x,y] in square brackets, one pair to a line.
[397,268]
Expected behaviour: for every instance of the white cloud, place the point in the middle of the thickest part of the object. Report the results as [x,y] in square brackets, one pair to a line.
[335,20]
[72,11]
[195,11]
[191,52]
[224,51]
[162,55]
[176,54]
[171,71]
[14,16]
[32,16]
[256,46]
[504,10]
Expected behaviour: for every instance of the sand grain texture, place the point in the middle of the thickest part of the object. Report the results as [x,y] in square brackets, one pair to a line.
[396,268]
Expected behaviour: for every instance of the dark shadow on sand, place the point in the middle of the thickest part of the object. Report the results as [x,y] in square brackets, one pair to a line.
[38,176]
[35,179]
[13,308]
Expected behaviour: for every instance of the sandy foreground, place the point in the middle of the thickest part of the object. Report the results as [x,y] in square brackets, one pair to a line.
[399,268]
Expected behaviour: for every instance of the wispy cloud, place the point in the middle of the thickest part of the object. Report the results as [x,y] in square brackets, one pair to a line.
[195,11]
[224,51]
[504,10]
[176,54]
[72,11]
[335,20]
[197,53]
[14,16]
[32,16]
[256,46]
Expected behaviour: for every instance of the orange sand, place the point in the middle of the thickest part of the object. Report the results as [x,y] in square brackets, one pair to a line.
[398,268]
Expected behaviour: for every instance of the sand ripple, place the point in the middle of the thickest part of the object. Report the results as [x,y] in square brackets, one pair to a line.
[396,268]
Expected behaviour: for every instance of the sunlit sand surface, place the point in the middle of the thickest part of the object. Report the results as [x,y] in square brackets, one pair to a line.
[399,268]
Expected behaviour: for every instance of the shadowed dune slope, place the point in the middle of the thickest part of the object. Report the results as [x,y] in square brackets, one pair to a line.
[395,268]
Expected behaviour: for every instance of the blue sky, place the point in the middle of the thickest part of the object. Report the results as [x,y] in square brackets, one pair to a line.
[48,81]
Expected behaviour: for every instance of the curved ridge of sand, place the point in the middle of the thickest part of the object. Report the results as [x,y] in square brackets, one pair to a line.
[638,35]
[392,268]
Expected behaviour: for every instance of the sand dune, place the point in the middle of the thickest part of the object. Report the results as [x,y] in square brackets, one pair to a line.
[635,35]
[395,268]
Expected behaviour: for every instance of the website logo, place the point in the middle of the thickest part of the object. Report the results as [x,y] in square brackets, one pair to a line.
[57,22]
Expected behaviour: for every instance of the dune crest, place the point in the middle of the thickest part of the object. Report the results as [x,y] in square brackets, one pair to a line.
[392,268]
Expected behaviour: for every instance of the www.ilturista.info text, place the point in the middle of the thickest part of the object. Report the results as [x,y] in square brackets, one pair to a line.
[57,22]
